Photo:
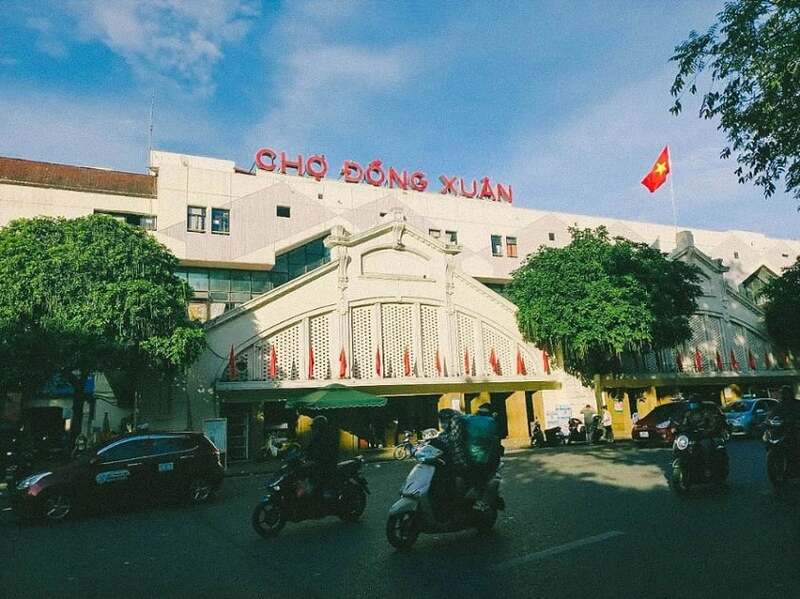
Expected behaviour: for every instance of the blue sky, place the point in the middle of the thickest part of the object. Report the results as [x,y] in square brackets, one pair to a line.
[566,101]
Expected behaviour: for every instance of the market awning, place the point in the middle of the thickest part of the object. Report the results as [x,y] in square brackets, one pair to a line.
[336,397]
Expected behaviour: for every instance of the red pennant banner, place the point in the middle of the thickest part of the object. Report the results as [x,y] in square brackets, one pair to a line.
[310,362]
[734,361]
[698,360]
[438,364]
[273,363]
[232,366]
[342,364]
[546,362]
[406,363]
[720,367]
[679,361]
[378,361]
[751,360]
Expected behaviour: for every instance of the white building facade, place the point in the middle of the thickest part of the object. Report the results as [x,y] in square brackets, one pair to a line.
[366,281]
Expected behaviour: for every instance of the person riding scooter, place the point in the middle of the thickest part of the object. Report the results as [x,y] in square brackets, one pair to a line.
[322,454]
[704,420]
[449,485]
[485,449]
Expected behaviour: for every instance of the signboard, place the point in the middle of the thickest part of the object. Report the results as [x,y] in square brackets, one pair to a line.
[559,417]
[378,175]
[216,429]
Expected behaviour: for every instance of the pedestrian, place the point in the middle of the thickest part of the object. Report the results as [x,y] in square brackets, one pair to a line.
[608,429]
[588,414]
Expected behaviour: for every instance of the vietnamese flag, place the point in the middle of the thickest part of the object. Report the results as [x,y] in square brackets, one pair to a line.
[438,364]
[273,363]
[546,362]
[310,362]
[521,364]
[698,360]
[658,174]
[734,361]
[751,360]
[466,362]
[378,361]
[719,362]
[342,364]
[406,363]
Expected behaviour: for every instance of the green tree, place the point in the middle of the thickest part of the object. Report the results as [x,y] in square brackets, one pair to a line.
[782,310]
[88,295]
[752,55]
[599,297]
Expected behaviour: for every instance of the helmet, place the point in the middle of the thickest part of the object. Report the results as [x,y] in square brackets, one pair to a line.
[787,393]
[694,402]
[319,423]
[486,409]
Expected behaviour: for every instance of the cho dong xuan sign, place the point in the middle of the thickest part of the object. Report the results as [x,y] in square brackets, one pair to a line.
[378,175]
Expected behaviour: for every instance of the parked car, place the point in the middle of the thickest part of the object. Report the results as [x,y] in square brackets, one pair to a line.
[656,426]
[748,416]
[133,468]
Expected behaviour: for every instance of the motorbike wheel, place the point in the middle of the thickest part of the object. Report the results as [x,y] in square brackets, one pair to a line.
[401,530]
[678,481]
[268,519]
[353,503]
[487,520]
[776,468]
[400,452]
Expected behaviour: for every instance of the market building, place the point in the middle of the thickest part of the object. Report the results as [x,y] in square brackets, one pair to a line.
[390,281]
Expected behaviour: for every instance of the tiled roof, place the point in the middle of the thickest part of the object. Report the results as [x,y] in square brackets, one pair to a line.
[76,178]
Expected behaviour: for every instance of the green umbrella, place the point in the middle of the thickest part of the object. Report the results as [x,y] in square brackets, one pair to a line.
[336,397]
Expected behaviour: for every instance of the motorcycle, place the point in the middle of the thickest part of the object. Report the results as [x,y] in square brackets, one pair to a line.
[783,461]
[415,512]
[698,459]
[405,448]
[596,430]
[537,436]
[287,498]
[577,431]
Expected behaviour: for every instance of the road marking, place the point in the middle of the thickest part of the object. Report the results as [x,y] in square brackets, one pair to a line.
[545,553]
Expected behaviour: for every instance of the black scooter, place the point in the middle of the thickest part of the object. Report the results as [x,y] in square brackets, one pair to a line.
[698,459]
[287,498]
[577,431]
[783,452]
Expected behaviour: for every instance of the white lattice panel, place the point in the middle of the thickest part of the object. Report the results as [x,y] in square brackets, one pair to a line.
[287,353]
[466,341]
[650,361]
[739,346]
[397,334]
[493,339]
[363,366]
[714,332]
[757,346]
[696,342]
[430,340]
[319,338]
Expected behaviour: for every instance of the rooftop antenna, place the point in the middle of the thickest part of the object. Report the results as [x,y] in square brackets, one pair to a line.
[150,128]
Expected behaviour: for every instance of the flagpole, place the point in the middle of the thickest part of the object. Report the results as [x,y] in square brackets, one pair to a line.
[672,196]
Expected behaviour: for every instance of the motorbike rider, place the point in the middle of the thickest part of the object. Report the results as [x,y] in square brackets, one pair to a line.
[485,450]
[789,410]
[448,487]
[702,417]
[322,454]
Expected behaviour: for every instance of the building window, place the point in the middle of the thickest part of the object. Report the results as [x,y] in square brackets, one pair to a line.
[736,255]
[319,196]
[551,236]
[435,233]
[452,237]
[196,219]
[784,255]
[511,247]
[284,211]
[220,221]
[145,221]
[497,245]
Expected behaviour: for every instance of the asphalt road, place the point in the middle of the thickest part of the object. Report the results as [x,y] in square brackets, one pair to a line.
[596,522]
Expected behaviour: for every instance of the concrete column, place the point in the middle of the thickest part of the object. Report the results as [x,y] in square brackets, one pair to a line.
[517,416]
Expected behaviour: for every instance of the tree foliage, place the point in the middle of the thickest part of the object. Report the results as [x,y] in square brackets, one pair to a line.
[86,295]
[782,310]
[753,57]
[598,297]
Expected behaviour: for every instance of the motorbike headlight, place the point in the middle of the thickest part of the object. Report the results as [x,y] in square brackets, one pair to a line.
[682,442]
[776,421]
[664,424]
[31,480]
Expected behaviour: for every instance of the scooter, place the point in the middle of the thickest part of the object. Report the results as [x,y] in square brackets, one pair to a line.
[596,430]
[537,436]
[783,459]
[577,431]
[415,513]
[288,499]
[698,459]
[405,448]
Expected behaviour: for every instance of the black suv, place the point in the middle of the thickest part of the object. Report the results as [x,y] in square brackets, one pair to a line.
[137,466]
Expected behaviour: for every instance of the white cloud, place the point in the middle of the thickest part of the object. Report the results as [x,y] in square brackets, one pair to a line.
[167,39]
[327,84]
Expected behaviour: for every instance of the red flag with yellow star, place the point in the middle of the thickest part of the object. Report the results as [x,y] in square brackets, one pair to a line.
[658,174]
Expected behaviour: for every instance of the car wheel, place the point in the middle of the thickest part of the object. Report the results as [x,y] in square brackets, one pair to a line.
[200,490]
[57,506]
[401,530]
[268,519]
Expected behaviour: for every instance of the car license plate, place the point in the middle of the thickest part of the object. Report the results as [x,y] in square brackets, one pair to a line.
[644,434]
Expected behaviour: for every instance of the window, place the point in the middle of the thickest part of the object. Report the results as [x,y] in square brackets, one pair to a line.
[511,247]
[319,196]
[162,445]
[145,221]
[220,221]
[283,211]
[736,255]
[784,255]
[452,237]
[551,236]
[435,233]
[126,450]
[196,219]
[497,245]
